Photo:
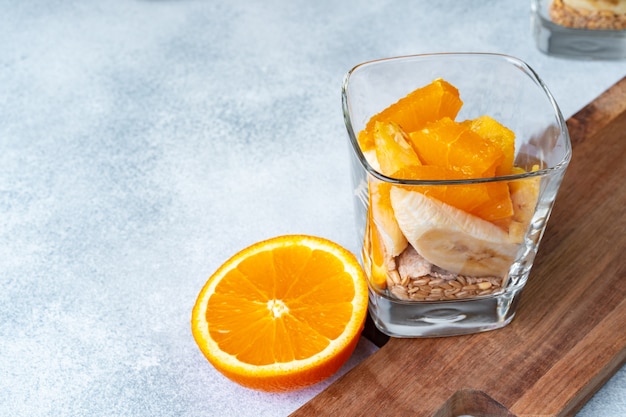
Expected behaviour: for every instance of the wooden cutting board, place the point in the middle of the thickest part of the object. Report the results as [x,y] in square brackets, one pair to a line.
[569,334]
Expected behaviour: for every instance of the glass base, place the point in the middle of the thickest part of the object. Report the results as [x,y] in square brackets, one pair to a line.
[399,318]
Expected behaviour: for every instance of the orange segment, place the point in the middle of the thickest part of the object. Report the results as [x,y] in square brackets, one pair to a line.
[498,207]
[282,314]
[374,254]
[453,145]
[464,197]
[490,201]
[424,105]
[501,136]
[412,112]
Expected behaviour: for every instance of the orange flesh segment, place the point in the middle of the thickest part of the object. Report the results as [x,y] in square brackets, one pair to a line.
[317,306]
[453,145]
[412,112]
[490,201]
[501,136]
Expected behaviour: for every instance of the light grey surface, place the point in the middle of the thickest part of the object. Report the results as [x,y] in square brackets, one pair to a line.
[143,142]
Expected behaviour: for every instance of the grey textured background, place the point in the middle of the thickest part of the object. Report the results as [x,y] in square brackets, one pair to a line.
[143,142]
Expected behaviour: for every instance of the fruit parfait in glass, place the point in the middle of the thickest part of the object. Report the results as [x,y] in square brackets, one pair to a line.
[457,160]
[585,29]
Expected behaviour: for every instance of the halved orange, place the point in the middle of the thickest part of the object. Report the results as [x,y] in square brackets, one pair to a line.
[282,314]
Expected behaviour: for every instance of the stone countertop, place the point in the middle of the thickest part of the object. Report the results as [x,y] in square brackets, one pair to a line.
[143,142]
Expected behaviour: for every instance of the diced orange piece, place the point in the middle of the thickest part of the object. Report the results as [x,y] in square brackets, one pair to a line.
[453,145]
[499,206]
[499,135]
[412,112]
[424,105]
[489,201]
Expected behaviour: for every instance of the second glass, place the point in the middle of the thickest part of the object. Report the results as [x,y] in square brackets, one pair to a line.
[440,259]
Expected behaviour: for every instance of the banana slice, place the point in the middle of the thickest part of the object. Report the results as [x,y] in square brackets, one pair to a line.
[451,238]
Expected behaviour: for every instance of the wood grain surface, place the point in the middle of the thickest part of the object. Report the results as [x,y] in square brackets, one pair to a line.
[569,334]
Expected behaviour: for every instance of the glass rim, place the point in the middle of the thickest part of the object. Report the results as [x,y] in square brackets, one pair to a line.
[563,131]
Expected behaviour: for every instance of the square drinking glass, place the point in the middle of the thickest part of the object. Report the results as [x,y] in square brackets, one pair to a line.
[442,271]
